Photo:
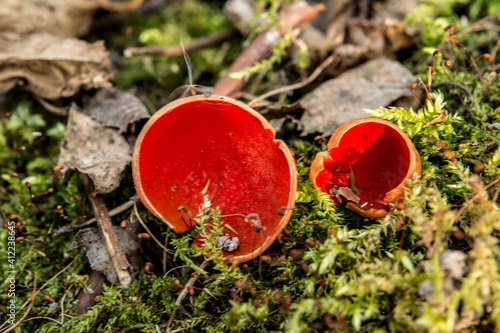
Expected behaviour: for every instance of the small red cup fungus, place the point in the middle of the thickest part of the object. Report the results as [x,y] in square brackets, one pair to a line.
[215,147]
[367,165]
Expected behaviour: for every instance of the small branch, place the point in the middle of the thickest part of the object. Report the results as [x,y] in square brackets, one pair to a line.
[62,303]
[147,229]
[118,260]
[113,212]
[183,294]
[327,62]
[176,50]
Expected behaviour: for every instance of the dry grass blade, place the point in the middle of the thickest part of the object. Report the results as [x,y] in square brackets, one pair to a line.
[141,221]
[183,294]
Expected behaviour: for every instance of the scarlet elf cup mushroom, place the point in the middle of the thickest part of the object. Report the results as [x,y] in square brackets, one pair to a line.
[216,148]
[367,165]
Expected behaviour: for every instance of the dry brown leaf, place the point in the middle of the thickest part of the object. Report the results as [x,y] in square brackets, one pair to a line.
[114,108]
[342,193]
[371,85]
[67,18]
[439,119]
[95,150]
[359,30]
[52,67]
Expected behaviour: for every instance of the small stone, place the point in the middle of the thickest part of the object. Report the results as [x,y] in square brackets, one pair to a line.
[454,263]
[227,243]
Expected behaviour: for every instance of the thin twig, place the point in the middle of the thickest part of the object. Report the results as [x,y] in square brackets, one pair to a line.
[176,50]
[62,303]
[466,206]
[479,25]
[113,212]
[173,269]
[147,229]
[327,62]
[459,86]
[183,294]
[165,254]
[41,317]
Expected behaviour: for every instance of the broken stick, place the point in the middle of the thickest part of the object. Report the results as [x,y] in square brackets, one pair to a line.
[297,15]
[120,263]
[176,50]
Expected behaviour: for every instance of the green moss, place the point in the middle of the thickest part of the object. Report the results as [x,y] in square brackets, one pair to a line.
[330,270]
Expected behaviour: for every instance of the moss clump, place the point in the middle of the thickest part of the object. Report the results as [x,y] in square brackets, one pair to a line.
[431,265]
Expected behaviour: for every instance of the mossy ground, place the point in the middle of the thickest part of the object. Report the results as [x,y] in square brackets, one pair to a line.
[331,269]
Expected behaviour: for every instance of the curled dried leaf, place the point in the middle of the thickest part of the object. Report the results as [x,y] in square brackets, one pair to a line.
[52,67]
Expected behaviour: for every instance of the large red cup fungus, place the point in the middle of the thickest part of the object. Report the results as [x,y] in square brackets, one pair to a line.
[217,148]
[367,165]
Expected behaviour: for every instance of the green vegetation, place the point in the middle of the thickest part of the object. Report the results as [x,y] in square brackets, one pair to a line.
[432,265]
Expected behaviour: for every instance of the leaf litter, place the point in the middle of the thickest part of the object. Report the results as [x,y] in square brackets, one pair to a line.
[52,67]
[317,253]
[95,150]
[376,83]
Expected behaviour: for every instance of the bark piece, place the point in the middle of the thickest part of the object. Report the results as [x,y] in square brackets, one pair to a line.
[118,109]
[88,299]
[95,150]
[52,67]
[371,85]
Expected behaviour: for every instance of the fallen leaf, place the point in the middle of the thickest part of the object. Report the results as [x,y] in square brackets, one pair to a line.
[67,18]
[95,150]
[91,243]
[439,119]
[52,67]
[371,85]
[114,108]
[344,192]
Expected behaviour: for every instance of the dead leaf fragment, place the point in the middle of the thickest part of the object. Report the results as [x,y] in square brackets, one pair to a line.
[95,150]
[371,85]
[67,18]
[52,67]
[342,193]
[91,243]
[114,108]
[439,119]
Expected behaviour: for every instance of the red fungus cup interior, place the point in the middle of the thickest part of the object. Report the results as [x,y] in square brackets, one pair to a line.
[216,148]
[372,157]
